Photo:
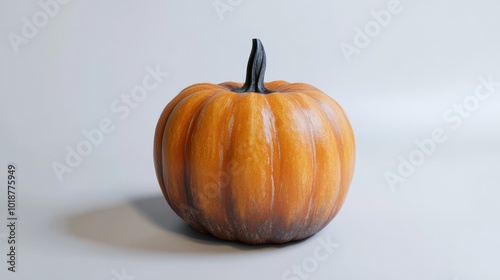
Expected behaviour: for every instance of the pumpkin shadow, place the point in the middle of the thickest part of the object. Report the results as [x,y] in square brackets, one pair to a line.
[148,224]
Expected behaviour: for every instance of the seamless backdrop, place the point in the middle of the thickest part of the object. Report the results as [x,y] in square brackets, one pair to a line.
[419,80]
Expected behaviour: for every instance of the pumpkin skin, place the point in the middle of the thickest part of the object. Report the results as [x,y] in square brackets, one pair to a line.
[270,165]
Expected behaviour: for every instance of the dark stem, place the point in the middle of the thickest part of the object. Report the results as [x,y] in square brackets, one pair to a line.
[256,69]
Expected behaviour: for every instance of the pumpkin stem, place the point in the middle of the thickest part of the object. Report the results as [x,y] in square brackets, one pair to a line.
[256,69]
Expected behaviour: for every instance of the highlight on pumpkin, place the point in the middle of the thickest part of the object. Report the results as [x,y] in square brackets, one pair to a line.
[254,167]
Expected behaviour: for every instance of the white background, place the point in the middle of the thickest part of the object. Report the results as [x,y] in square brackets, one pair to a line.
[107,218]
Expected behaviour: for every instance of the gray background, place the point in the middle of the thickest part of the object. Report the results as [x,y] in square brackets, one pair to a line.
[107,220]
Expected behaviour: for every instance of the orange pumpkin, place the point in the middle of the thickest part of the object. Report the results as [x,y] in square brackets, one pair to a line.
[259,162]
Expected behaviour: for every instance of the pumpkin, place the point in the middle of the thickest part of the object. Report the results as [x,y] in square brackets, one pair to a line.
[254,162]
